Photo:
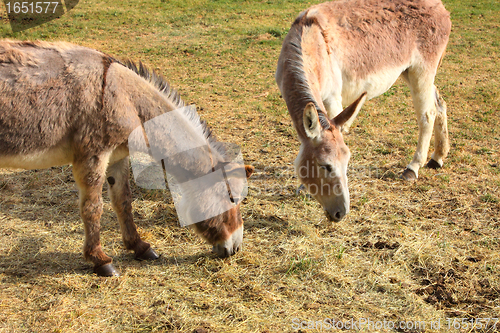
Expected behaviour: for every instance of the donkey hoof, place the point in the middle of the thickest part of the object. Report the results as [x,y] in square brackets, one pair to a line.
[106,270]
[149,254]
[409,174]
[433,164]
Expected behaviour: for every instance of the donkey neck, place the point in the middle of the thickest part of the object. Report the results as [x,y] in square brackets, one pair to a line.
[179,138]
[305,60]
[173,131]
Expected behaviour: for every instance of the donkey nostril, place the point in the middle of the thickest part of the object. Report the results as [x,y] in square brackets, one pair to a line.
[338,215]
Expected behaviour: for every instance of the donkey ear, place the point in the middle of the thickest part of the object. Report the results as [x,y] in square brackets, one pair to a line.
[249,169]
[311,122]
[350,111]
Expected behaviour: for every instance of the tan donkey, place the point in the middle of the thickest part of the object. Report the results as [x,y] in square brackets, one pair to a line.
[343,52]
[65,104]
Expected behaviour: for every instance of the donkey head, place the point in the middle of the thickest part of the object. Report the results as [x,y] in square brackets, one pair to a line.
[323,157]
[225,231]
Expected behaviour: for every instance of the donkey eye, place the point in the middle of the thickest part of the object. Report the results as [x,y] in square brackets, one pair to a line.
[327,167]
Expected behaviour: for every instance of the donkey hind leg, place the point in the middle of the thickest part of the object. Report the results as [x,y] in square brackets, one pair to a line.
[423,95]
[441,143]
[121,200]
[89,176]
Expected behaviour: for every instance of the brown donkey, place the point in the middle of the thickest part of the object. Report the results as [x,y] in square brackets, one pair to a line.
[61,104]
[336,52]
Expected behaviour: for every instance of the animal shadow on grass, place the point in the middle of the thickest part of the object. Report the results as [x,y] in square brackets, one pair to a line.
[27,260]
[262,220]
[371,172]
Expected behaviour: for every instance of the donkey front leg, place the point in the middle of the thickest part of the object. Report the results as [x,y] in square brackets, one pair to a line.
[121,199]
[89,176]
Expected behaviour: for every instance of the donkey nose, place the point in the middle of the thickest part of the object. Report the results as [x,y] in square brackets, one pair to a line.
[222,251]
[336,215]
[231,245]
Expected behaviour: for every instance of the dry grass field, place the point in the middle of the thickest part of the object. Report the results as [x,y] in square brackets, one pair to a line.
[418,252]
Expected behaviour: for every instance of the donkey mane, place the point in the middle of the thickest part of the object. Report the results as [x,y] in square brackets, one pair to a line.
[301,86]
[159,82]
[155,79]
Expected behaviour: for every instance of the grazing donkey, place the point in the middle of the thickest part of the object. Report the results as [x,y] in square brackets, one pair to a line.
[61,103]
[343,52]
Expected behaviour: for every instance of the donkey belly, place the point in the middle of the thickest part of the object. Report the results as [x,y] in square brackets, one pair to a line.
[374,84]
[56,156]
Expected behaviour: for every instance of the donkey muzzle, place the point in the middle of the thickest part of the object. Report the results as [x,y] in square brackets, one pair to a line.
[335,216]
[230,246]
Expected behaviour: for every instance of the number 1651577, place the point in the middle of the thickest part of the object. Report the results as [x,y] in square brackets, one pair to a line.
[31,7]
[472,323]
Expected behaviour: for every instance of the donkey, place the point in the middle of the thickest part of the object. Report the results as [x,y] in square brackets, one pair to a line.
[65,104]
[344,52]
